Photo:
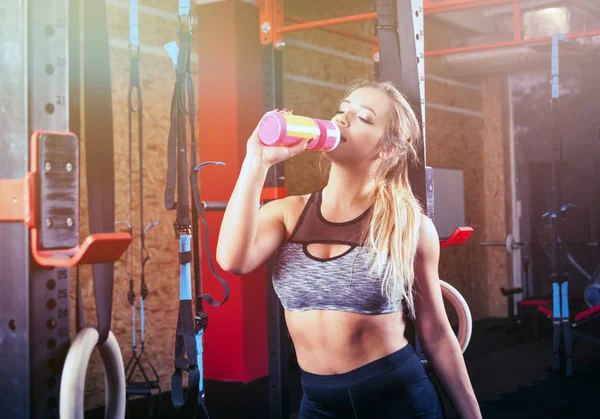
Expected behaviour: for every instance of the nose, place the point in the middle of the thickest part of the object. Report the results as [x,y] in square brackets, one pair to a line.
[341,119]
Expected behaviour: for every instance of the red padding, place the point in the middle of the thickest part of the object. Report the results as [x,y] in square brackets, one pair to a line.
[545,311]
[459,236]
[534,302]
[587,313]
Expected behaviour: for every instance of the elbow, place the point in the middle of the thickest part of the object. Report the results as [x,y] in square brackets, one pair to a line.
[228,264]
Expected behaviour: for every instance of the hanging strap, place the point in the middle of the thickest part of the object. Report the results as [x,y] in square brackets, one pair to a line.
[198,205]
[186,359]
[99,149]
[144,288]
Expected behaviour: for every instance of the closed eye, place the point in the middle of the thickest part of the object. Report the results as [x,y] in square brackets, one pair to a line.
[366,121]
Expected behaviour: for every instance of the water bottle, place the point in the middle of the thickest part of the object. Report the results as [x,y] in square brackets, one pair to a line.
[283,130]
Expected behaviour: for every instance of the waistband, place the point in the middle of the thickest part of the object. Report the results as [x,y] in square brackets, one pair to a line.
[387,363]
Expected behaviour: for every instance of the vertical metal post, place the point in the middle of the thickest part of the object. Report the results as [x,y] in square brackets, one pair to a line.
[400,28]
[34,94]
[14,246]
[278,381]
[401,53]
[49,288]
[515,202]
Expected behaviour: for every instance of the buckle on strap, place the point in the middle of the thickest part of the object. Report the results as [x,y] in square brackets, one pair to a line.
[183,364]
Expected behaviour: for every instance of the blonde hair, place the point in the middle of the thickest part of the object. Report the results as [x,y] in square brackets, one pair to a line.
[393,232]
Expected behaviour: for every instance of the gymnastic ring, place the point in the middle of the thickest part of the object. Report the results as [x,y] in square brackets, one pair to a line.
[72,383]
[465,321]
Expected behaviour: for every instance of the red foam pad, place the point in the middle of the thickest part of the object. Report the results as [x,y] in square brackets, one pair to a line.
[587,313]
[545,311]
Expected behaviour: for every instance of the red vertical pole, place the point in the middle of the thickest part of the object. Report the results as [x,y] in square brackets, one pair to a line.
[230,105]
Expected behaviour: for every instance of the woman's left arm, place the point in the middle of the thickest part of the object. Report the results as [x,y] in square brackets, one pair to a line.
[436,336]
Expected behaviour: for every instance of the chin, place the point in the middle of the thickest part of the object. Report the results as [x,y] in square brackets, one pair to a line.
[341,156]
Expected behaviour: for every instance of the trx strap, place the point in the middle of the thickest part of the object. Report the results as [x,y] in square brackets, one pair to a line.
[144,387]
[190,327]
[99,149]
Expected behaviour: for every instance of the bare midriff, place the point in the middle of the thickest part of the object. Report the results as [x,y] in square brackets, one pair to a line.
[331,342]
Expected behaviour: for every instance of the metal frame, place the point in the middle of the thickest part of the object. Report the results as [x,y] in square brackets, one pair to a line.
[35,316]
[39,208]
[272,28]
[278,382]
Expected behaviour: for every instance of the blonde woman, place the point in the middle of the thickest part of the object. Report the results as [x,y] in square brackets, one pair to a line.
[352,258]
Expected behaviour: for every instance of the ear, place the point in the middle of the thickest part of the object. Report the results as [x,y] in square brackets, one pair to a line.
[387,152]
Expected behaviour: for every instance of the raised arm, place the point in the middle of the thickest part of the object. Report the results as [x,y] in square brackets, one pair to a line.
[249,235]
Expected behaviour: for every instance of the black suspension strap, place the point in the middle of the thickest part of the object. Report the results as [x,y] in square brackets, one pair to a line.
[135,106]
[190,327]
[99,142]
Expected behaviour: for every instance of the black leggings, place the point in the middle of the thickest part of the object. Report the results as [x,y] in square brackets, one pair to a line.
[396,386]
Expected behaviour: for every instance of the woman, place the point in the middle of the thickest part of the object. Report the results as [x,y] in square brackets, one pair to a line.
[351,258]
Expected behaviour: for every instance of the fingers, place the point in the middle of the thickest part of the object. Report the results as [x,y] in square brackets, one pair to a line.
[299,147]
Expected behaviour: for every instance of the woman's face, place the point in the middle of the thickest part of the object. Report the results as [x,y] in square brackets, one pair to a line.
[363,119]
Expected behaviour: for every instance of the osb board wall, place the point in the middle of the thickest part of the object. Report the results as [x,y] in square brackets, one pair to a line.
[328,62]
[162,271]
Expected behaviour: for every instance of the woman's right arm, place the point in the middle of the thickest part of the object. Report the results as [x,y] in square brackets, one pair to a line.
[249,235]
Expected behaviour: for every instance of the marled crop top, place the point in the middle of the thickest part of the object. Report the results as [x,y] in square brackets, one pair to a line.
[305,282]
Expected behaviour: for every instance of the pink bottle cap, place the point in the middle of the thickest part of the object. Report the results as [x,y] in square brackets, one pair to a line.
[272,129]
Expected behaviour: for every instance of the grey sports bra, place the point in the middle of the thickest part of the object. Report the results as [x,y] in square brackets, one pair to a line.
[303,281]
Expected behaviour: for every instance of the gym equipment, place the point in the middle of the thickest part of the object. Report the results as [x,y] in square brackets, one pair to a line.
[135,106]
[73,380]
[39,208]
[564,324]
[276,129]
[591,294]
[510,244]
[190,327]
[461,308]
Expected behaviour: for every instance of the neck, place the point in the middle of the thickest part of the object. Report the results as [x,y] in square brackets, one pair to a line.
[349,187]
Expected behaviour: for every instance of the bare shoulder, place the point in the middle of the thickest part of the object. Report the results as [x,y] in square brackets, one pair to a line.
[287,204]
[291,208]
[429,241]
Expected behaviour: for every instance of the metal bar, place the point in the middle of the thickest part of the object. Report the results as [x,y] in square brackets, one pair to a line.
[507,44]
[461,3]
[214,205]
[515,202]
[366,39]
[328,22]
[516,21]
[475,5]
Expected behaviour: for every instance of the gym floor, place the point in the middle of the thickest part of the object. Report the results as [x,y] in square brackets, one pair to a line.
[509,369]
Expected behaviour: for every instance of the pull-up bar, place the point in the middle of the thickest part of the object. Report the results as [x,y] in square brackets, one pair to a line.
[273,33]
[350,35]
[272,18]
[328,22]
